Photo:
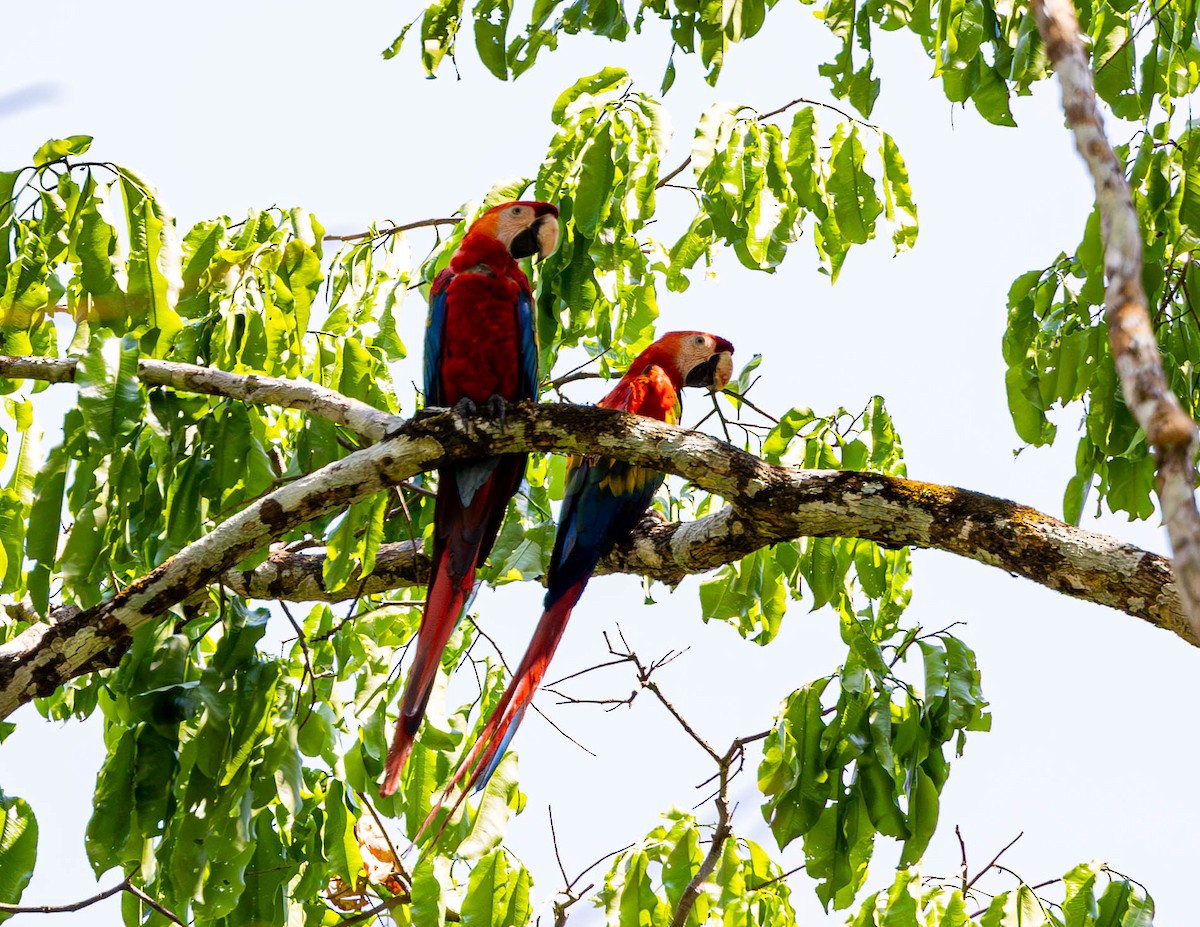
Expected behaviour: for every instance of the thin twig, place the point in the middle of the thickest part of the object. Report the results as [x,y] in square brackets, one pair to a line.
[574,373]
[995,859]
[1132,36]
[741,397]
[395,229]
[675,173]
[146,899]
[962,846]
[413,603]
[646,682]
[308,667]
[778,878]
[64,908]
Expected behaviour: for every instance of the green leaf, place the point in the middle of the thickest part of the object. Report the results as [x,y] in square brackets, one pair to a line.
[593,196]
[922,817]
[109,394]
[491,817]
[18,848]
[341,846]
[497,893]
[45,520]
[901,211]
[57,149]
[108,829]
[439,26]
[602,81]
[639,904]
[428,899]
[853,189]
[792,775]
[491,29]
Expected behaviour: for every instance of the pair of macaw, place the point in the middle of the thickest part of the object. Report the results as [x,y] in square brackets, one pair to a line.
[481,349]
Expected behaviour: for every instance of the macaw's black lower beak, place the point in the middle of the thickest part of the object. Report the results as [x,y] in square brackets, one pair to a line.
[538,239]
[713,373]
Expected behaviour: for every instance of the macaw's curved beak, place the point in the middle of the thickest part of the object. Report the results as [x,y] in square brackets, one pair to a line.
[713,373]
[540,237]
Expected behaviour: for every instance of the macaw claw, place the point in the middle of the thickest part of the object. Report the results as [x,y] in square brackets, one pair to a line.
[498,407]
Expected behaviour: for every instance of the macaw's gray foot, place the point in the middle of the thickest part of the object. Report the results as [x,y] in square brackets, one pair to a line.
[497,406]
[466,406]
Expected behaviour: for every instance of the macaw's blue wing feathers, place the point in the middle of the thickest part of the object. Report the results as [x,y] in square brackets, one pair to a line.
[435,327]
[605,499]
[529,347]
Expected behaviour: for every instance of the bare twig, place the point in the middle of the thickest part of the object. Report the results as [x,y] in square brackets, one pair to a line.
[394,229]
[663,181]
[147,900]
[741,397]
[65,908]
[963,847]
[644,672]
[995,859]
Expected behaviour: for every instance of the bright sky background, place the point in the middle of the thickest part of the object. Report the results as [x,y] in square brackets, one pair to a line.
[230,105]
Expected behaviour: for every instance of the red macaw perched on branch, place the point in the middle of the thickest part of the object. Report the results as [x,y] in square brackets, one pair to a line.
[480,348]
[605,499]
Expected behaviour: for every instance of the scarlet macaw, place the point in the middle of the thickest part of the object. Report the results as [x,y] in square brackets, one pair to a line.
[605,499]
[480,348]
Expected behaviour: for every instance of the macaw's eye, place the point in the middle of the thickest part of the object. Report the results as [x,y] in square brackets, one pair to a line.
[699,339]
[517,210]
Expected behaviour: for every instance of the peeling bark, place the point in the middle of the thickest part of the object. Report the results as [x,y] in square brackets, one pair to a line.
[1169,430]
[768,504]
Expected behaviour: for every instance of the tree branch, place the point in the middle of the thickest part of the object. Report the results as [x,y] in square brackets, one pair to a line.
[1169,430]
[298,577]
[774,504]
[769,504]
[364,420]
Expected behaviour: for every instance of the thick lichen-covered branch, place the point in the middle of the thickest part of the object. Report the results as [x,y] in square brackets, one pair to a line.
[893,512]
[767,504]
[1169,430]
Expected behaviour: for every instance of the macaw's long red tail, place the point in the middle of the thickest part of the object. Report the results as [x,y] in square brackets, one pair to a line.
[444,603]
[471,502]
[498,732]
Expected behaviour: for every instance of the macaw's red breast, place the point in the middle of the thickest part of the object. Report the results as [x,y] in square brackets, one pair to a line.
[478,251]
[650,393]
[481,346]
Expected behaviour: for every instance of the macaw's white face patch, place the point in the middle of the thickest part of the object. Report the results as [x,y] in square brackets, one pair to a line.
[527,230]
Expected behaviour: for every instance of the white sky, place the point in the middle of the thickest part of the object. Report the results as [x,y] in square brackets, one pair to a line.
[228,105]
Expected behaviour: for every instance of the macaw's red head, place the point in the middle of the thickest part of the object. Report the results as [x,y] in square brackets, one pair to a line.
[695,359]
[526,228]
